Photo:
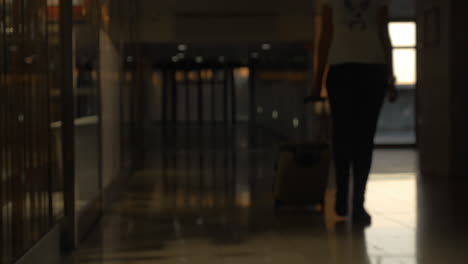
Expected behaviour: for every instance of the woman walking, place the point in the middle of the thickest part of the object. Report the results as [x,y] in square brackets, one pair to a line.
[356,47]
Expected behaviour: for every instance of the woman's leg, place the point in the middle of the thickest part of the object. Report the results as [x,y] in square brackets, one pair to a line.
[371,93]
[339,93]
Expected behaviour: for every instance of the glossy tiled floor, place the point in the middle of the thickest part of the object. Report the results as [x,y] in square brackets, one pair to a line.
[207,199]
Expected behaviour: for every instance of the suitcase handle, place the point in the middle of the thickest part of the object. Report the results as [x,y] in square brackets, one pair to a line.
[323,130]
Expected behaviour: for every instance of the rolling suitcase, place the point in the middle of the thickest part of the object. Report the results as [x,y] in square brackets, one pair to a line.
[303,167]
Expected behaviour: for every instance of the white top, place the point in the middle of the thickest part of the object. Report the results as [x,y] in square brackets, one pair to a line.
[356,32]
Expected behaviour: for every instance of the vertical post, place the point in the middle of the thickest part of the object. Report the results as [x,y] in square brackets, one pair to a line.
[100,115]
[187,95]
[134,94]
[213,96]
[3,134]
[225,95]
[66,24]
[232,84]
[165,83]
[174,95]
[140,108]
[200,96]
[50,131]
[252,102]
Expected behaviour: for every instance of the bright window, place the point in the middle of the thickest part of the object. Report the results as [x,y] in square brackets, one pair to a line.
[403,35]
[405,66]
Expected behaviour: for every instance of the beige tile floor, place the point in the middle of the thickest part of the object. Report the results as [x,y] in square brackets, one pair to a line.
[215,206]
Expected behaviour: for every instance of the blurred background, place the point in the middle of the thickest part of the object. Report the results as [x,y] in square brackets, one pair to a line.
[104,99]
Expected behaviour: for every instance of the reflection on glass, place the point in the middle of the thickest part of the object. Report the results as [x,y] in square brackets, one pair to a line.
[86,86]
[183,87]
[85,57]
[126,103]
[55,105]
[241,80]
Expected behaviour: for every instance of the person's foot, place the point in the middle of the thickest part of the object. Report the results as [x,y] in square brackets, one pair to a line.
[361,217]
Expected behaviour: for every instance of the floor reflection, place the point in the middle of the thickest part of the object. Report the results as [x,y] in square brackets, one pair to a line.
[205,196]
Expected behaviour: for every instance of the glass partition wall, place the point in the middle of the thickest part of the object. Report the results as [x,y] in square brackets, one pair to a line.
[52,160]
[85,59]
[31,182]
[104,58]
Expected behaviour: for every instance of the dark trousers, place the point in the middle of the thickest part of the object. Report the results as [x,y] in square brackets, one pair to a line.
[356,93]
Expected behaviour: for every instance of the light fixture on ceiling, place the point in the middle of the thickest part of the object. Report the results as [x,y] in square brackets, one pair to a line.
[266,46]
[296,122]
[199,59]
[182,47]
[274,114]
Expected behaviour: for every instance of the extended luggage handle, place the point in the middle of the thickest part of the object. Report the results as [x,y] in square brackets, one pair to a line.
[323,130]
